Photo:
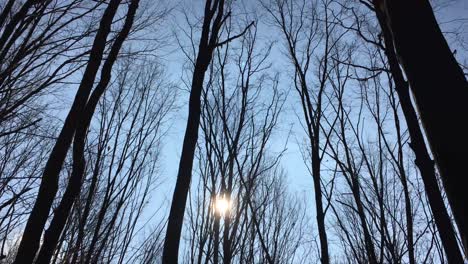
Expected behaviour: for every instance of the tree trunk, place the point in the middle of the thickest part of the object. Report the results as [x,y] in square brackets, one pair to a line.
[208,41]
[73,189]
[216,239]
[324,256]
[49,184]
[423,160]
[227,253]
[441,94]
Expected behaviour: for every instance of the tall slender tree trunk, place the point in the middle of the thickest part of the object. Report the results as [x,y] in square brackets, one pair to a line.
[316,164]
[52,235]
[353,182]
[227,253]
[179,200]
[423,160]
[208,42]
[441,94]
[49,184]
[216,239]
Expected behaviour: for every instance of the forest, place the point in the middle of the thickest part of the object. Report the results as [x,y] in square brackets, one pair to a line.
[225,132]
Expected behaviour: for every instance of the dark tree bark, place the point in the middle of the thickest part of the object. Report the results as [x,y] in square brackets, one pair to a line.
[5,11]
[213,20]
[49,184]
[423,160]
[62,212]
[9,28]
[441,94]
[216,239]
[208,41]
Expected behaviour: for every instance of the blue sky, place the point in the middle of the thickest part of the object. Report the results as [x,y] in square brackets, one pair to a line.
[451,14]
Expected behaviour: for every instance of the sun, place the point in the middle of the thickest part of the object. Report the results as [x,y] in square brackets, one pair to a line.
[222,205]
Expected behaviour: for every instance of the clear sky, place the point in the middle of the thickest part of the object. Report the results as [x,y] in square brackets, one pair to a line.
[451,14]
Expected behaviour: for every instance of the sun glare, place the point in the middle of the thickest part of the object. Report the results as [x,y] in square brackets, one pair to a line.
[222,205]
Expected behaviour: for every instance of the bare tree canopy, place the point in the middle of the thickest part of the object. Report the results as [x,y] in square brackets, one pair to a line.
[221,131]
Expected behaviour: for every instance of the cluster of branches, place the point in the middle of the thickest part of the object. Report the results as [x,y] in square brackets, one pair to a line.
[378,196]
[235,163]
[84,205]
[364,146]
[75,179]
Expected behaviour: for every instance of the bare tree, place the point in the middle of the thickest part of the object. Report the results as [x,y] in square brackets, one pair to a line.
[378,196]
[48,188]
[440,112]
[38,50]
[74,185]
[310,33]
[124,154]
[214,18]
[43,43]
[234,165]
[398,83]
